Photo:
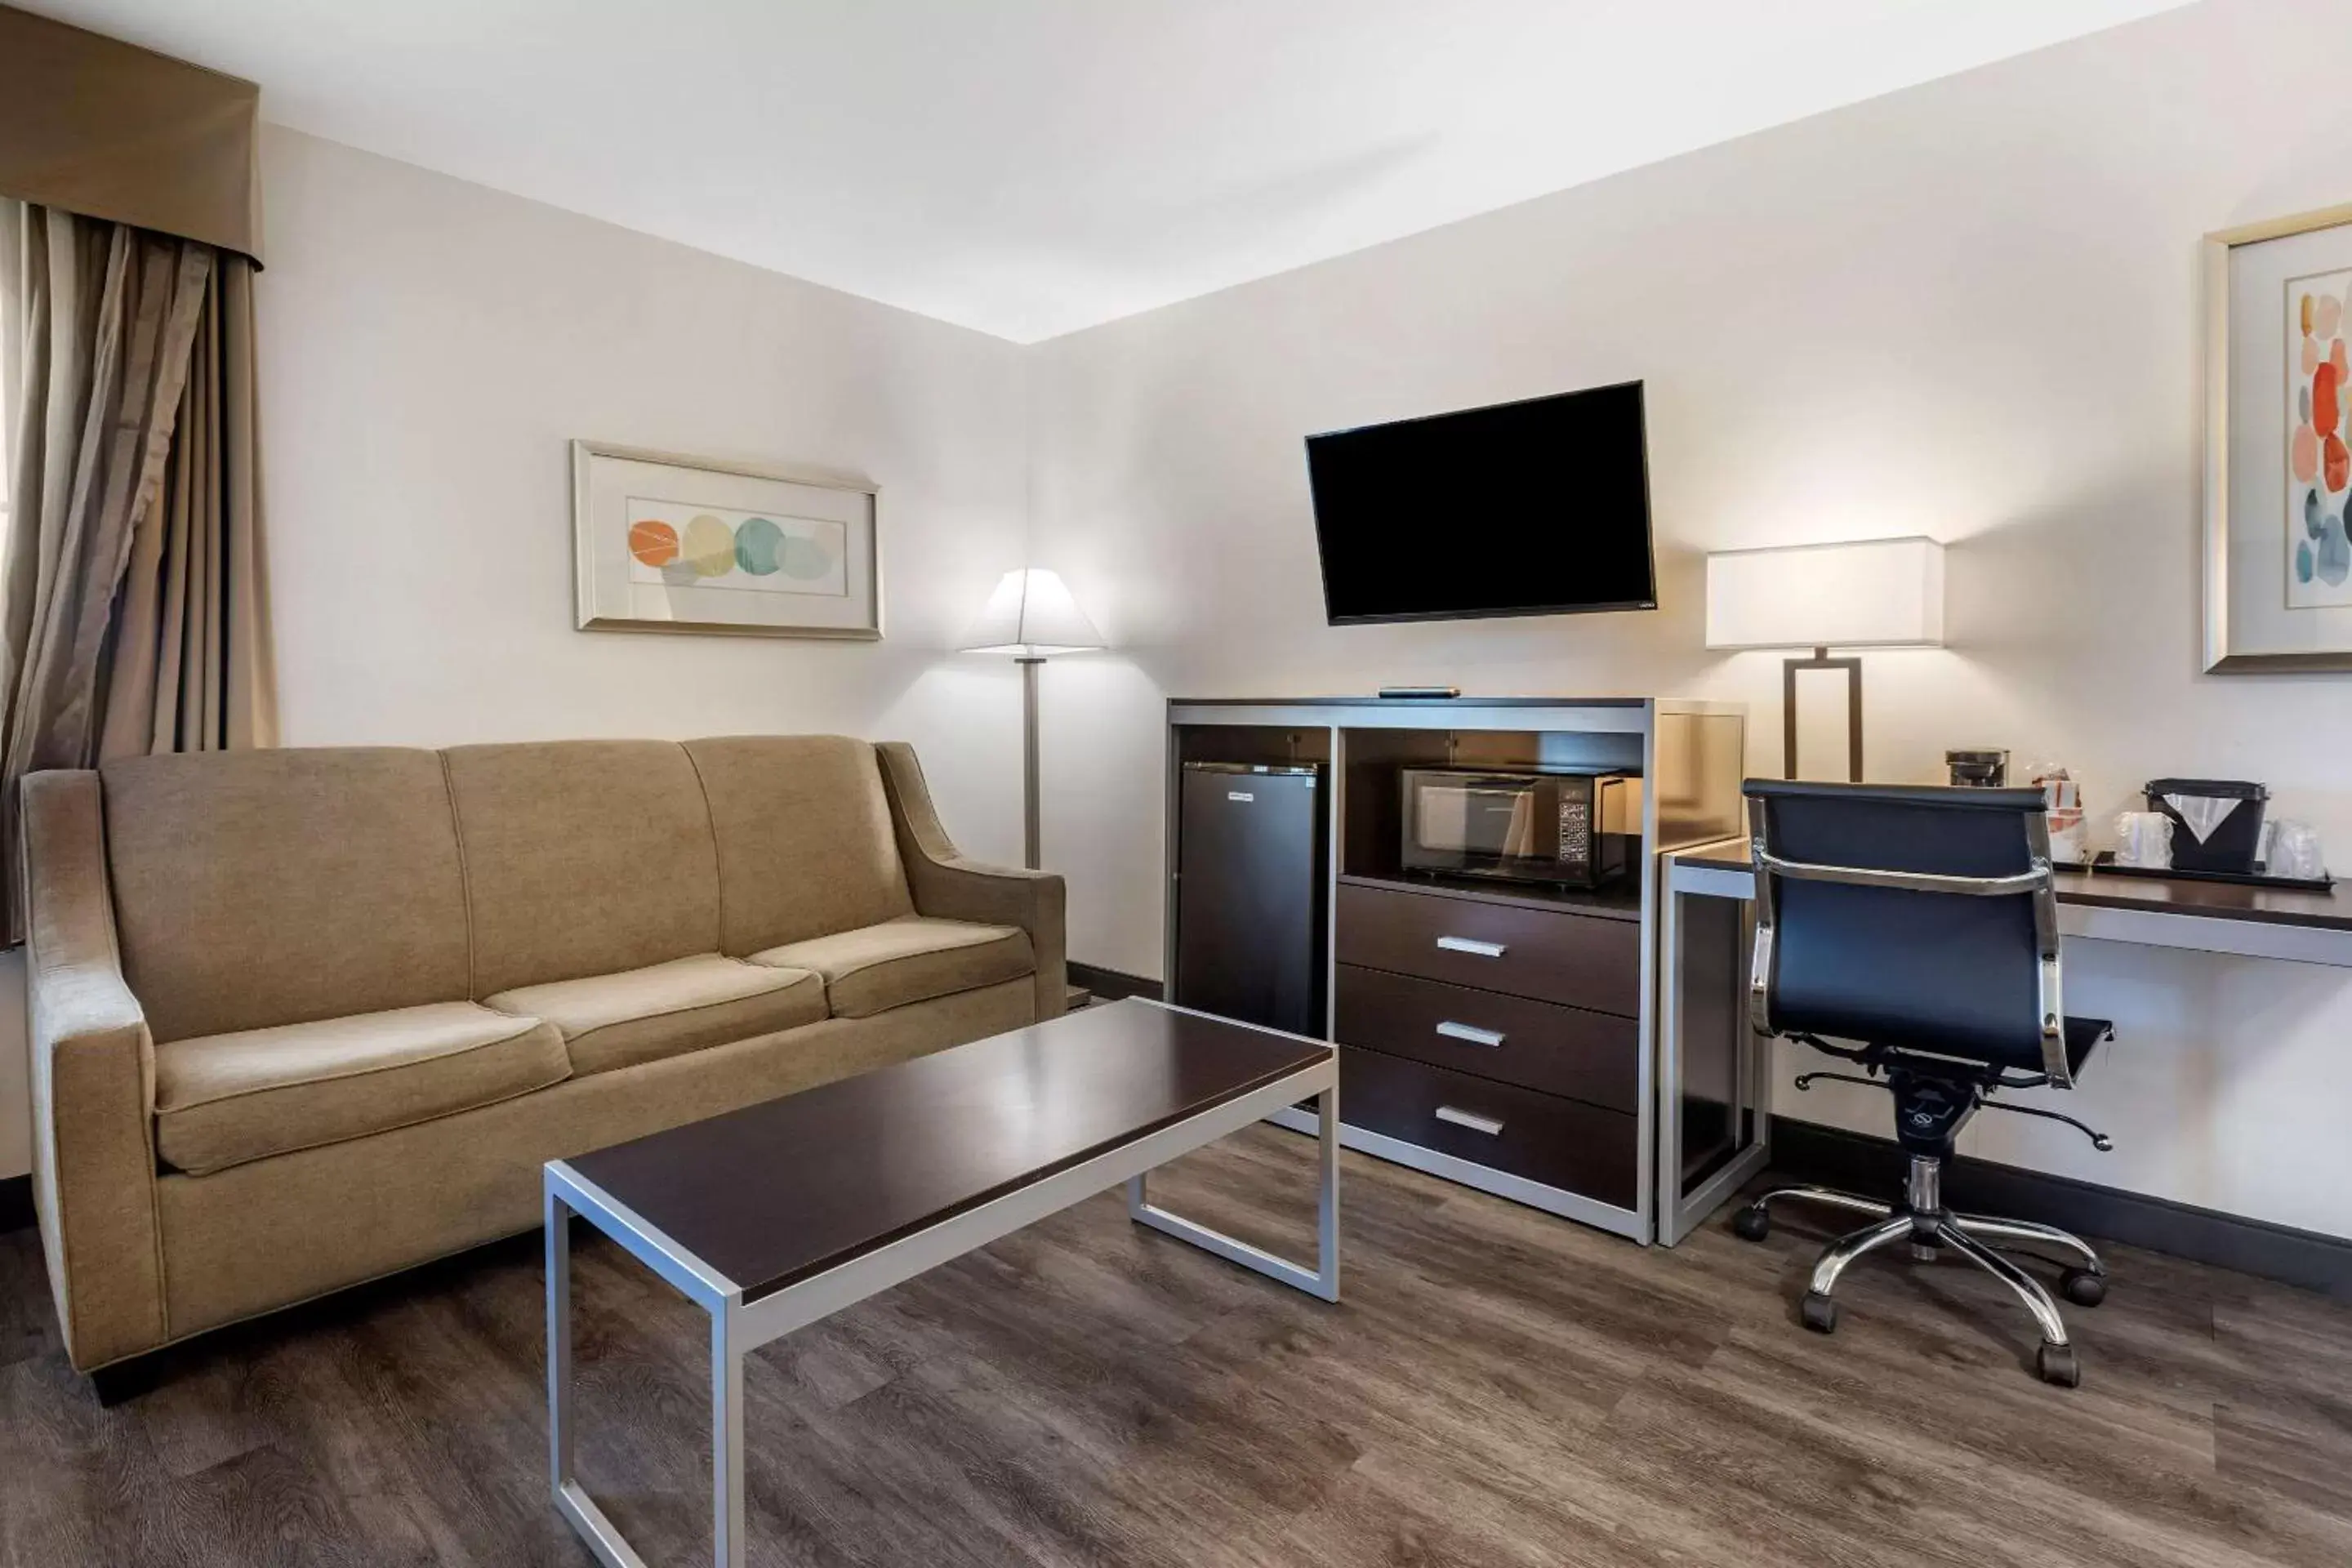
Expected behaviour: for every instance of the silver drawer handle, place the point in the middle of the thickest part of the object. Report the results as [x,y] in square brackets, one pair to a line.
[1470,1033]
[1476,1124]
[1466,944]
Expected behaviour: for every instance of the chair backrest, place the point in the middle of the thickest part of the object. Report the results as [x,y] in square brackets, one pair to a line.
[1924,919]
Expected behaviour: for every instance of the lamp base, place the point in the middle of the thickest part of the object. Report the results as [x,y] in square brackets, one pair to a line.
[1820,661]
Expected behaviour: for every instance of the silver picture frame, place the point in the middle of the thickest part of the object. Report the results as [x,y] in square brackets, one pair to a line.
[2244,633]
[610,596]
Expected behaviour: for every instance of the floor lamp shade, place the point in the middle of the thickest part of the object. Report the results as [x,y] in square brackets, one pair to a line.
[1871,593]
[1031,616]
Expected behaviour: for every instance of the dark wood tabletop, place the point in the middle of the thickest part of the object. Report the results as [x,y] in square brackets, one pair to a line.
[774,1193]
[2330,910]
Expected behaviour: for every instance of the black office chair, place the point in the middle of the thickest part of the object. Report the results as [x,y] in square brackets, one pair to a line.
[1919,928]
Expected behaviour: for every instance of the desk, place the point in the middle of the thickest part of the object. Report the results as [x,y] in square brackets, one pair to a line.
[1716,1075]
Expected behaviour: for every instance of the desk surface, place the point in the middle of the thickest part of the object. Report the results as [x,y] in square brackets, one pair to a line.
[2331,910]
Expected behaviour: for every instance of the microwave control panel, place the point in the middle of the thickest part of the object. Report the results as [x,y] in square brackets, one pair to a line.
[1575,828]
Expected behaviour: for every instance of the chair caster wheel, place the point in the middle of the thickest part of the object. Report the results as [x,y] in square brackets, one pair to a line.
[1753,1222]
[2083,1288]
[2056,1363]
[1819,1312]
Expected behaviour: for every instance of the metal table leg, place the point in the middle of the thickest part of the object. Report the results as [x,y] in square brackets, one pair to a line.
[559,1342]
[1323,1279]
[727,1351]
[726,1442]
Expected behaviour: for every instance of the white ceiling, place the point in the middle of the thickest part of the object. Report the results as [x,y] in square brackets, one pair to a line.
[1029,167]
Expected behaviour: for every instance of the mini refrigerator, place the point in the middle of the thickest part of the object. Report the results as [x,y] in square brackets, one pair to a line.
[1249,894]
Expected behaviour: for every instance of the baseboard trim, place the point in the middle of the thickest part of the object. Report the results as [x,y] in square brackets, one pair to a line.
[1110,984]
[15,1204]
[1834,1157]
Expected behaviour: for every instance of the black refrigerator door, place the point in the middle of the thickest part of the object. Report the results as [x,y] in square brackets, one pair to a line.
[1249,907]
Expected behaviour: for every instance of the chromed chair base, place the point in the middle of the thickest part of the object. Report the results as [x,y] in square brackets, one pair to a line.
[1923,1221]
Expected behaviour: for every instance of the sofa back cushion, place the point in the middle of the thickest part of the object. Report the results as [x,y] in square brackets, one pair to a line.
[254,889]
[583,857]
[806,843]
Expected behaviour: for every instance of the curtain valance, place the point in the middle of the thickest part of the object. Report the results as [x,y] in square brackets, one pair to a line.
[95,126]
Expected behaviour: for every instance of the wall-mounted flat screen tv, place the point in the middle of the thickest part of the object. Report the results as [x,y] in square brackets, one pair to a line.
[1539,507]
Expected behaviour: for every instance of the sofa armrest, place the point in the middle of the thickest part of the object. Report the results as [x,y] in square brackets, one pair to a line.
[950,886]
[93,1069]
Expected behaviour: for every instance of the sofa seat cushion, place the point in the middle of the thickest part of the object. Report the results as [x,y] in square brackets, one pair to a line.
[612,1021]
[225,1099]
[911,959]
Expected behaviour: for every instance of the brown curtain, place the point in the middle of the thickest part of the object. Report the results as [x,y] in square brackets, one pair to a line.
[191,668]
[105,320]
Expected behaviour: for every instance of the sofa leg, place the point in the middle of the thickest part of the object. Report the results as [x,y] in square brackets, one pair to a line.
[126,1380]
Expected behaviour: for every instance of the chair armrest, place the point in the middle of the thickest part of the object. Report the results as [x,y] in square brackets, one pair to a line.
[93,1071]
[946,884]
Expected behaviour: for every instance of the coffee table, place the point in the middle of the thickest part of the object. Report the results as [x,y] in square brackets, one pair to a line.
[777,1215]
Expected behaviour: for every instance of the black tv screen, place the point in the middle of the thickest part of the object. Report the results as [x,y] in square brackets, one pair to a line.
[1539,507]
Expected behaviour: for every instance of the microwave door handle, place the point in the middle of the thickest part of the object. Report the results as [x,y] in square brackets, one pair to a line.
[1472,946]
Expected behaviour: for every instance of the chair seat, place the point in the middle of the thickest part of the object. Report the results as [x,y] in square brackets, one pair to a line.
[226,1100]
[911,959]
[610,1021]
[2082,1037]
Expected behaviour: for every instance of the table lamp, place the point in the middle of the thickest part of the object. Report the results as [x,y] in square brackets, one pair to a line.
[1031,616]
[1870,592]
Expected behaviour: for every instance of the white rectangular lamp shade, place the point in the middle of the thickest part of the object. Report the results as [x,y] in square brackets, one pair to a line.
[1871,593]
[1032,615]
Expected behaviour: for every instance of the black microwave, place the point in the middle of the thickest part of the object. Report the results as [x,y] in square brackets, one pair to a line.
[1572,827]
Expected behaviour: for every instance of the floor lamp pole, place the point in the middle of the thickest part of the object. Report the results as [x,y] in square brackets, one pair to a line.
[1029,663]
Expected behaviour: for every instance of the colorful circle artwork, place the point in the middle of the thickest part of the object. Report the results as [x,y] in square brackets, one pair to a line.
[806,560]
[709,546]
[2318,454]
[684,548]
[758,542]
[654,543]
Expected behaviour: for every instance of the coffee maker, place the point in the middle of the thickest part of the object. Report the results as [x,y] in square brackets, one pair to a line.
[1978,768]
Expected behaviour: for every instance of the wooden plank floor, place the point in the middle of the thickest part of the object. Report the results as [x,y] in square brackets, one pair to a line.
[1496,1387]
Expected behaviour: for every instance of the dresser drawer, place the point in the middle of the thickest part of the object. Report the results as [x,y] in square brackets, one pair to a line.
[1594,1056]
[1559,1143]
[1582,961]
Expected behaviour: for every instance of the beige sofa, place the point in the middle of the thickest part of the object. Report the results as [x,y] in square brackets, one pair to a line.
[303,1017]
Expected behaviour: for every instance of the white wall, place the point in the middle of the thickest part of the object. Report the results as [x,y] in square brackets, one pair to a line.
[428,348]
[1967,311]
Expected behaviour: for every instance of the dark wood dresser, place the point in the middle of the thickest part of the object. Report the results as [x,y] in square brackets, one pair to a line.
[1505,1034]
[1499,1034]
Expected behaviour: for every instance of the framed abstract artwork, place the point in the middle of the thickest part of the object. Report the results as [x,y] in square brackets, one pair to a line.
[2278,446]
[673,543]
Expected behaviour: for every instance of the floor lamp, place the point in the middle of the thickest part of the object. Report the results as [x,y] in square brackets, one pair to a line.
[1032,617]
[1871,593]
